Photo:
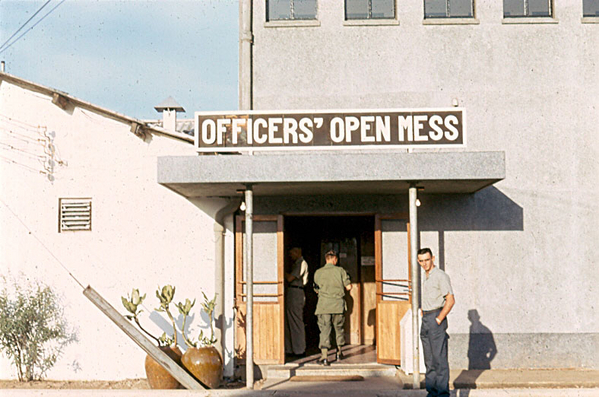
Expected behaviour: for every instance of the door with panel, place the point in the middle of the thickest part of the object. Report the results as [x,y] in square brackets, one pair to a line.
[393,283]
[269,298]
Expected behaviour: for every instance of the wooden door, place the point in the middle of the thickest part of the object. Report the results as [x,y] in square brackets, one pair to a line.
[269,305]
[393,283]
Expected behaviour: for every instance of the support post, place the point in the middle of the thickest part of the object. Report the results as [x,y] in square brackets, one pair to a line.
[249,279]
[413,196]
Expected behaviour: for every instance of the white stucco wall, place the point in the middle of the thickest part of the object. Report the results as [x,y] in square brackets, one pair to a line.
[143,235]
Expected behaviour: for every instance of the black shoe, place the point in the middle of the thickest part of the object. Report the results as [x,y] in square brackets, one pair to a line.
[324,362]
[340,356]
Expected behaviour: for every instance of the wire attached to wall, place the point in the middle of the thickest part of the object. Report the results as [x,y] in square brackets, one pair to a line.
[42,244]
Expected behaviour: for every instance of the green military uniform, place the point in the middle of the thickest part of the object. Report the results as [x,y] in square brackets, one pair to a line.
[331,281]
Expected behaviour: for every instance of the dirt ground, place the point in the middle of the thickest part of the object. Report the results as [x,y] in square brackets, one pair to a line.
[96,384]
[75,384]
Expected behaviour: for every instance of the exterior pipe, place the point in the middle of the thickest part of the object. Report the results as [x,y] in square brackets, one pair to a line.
[413,196]
[245,54]
[249,279]
[219,278]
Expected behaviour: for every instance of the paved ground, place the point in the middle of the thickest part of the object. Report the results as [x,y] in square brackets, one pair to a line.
[509,383]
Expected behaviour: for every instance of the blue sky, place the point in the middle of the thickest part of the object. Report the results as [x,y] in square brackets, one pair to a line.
[129,55]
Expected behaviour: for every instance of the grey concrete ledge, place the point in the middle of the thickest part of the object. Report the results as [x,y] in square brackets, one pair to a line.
[529,21]
[451,21]
[301,23]
[590,20]
[331,173]
[371,22]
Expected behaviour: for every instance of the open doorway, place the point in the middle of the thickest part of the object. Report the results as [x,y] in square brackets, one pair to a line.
[353,238]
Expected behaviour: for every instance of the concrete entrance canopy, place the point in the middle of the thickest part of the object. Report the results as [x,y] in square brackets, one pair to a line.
[294,173]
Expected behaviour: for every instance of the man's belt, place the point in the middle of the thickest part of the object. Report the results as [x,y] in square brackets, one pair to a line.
[431,311]
[295,286]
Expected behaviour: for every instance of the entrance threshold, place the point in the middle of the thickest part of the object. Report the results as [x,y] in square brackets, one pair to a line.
[360,360]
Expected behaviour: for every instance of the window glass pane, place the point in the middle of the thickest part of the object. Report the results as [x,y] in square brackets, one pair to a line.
[460,8]
[590,8]
[435,8]
[278,9]
[304,9]
[383,9]
[356,9]
[513,8]
[539,8]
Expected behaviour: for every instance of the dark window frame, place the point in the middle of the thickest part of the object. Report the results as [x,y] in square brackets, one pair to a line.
[292,16]
[369,16]
[596,15]
[448,14]
[526,8]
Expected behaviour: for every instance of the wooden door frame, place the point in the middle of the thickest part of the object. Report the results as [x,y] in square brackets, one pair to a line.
[378,253]
[239,276]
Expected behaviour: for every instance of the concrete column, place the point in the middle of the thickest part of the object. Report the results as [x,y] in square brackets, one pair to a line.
[413,196]
[249,279]
[219,268]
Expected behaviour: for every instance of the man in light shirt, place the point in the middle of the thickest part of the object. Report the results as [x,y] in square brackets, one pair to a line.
[295,299]
[437,301]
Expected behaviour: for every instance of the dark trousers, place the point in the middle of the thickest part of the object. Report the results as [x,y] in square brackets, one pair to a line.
[434,345]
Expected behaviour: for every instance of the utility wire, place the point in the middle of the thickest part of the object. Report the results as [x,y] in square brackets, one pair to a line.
[28,30]
[23,25]
[43,245]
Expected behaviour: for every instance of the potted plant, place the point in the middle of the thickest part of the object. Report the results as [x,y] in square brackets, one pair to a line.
[158,377]
[204,362]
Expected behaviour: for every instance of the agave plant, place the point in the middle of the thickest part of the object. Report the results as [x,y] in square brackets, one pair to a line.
[165,295]
[132,303]
[184,309]
[208,306]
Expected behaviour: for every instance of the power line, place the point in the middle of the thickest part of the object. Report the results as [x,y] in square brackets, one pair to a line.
[42,244]
[28,30]
[23,25]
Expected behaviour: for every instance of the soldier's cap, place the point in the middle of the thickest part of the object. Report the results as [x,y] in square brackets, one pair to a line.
[331,253]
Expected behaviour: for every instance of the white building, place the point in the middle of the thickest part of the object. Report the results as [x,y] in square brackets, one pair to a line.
[511,215]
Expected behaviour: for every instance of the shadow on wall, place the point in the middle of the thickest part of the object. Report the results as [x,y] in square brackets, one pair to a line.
[485,210]
[481,351]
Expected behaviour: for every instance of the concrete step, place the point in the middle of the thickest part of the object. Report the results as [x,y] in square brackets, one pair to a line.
[312,369]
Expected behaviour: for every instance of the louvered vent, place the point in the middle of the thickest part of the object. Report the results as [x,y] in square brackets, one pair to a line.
[75,214]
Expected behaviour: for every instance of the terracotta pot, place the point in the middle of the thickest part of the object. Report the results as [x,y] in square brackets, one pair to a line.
[158,377]
[205,363]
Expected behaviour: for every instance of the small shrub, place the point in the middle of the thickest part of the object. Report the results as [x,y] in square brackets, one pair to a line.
[33,330]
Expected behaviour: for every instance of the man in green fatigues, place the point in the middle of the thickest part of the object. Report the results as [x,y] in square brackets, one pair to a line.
[330,283]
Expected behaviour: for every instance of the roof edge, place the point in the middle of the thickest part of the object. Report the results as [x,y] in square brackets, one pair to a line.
[90,106]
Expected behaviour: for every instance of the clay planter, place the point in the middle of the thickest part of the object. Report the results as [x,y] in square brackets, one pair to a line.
[158,377]
[205,363]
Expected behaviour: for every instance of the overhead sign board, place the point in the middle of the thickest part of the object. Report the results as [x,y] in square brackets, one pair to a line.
[329,130]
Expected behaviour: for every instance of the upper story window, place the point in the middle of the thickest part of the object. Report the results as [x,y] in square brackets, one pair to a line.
[448,9]
[590,8]
[290,10]
[369,9]
[527,8]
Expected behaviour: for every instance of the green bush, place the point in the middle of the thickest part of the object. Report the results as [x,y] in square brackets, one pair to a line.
[33,330]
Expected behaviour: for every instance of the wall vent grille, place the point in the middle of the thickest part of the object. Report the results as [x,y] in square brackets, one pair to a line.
[75,214]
